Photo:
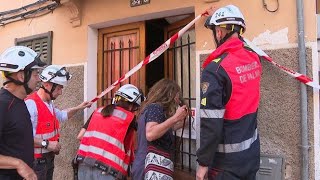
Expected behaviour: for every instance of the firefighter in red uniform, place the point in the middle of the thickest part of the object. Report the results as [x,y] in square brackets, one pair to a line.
[45,118]
[107,147]
[230,92]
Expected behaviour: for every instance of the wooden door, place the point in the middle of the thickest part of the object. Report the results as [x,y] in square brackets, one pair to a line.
[120,48]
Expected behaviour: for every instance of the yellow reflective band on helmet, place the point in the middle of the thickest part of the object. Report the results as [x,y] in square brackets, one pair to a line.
[241,31]
[216,60]
[223,25]
[2,74]
[204,101]
[117,98]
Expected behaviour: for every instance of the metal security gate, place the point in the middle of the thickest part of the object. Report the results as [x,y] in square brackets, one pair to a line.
[180,66]
[120,49]
[120,54]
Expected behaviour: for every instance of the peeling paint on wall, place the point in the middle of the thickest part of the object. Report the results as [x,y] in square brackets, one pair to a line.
[278,37]
[205,44]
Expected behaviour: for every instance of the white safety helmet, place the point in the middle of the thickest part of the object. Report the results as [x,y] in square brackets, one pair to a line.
[18,58]
[226,15]
[130,93]
[55,74]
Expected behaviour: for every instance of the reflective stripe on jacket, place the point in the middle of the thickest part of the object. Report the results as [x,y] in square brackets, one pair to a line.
[106,140]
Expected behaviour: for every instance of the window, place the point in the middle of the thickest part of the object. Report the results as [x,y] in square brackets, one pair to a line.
[40,43]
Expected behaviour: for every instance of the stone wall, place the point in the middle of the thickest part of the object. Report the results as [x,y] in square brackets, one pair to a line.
[279,114]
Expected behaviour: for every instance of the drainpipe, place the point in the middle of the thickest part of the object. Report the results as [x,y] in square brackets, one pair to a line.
[303,93]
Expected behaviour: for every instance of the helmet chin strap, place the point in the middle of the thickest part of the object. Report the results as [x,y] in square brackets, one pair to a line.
[215,37]
[27,77]
[50,92]
[227,36]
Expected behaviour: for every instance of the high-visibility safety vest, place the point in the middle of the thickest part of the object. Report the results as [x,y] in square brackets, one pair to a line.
[107,139]
[47,126]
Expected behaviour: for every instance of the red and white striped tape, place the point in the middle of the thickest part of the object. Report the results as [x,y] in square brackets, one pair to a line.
[154,55]
[300,77]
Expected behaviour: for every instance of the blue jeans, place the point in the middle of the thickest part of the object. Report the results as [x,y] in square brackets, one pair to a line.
[86,172]
[44,170]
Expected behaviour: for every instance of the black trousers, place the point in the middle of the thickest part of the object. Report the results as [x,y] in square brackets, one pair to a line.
[10,177]
[44,167]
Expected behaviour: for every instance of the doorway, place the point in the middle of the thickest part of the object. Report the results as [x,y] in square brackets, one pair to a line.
[154,38]
[117,56]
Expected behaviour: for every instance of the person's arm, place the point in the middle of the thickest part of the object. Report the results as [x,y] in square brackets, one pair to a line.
[64,115]
[211,118]
[32,108]
[155,130]
[72,111]
[179,124]
[132,146]
[84,128]
[52,145]
[81,133]
[7,162]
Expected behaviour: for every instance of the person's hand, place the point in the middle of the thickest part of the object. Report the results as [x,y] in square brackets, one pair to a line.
[181,113]
[54,146]
[201,172]
[85,104]
[25,171]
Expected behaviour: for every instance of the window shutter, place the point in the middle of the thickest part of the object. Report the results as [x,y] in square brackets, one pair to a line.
[41,43]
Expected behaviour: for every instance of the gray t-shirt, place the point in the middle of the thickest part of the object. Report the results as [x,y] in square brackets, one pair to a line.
[151,113]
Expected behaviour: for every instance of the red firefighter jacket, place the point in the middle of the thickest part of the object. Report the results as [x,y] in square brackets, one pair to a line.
[230,93]
[109,140]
